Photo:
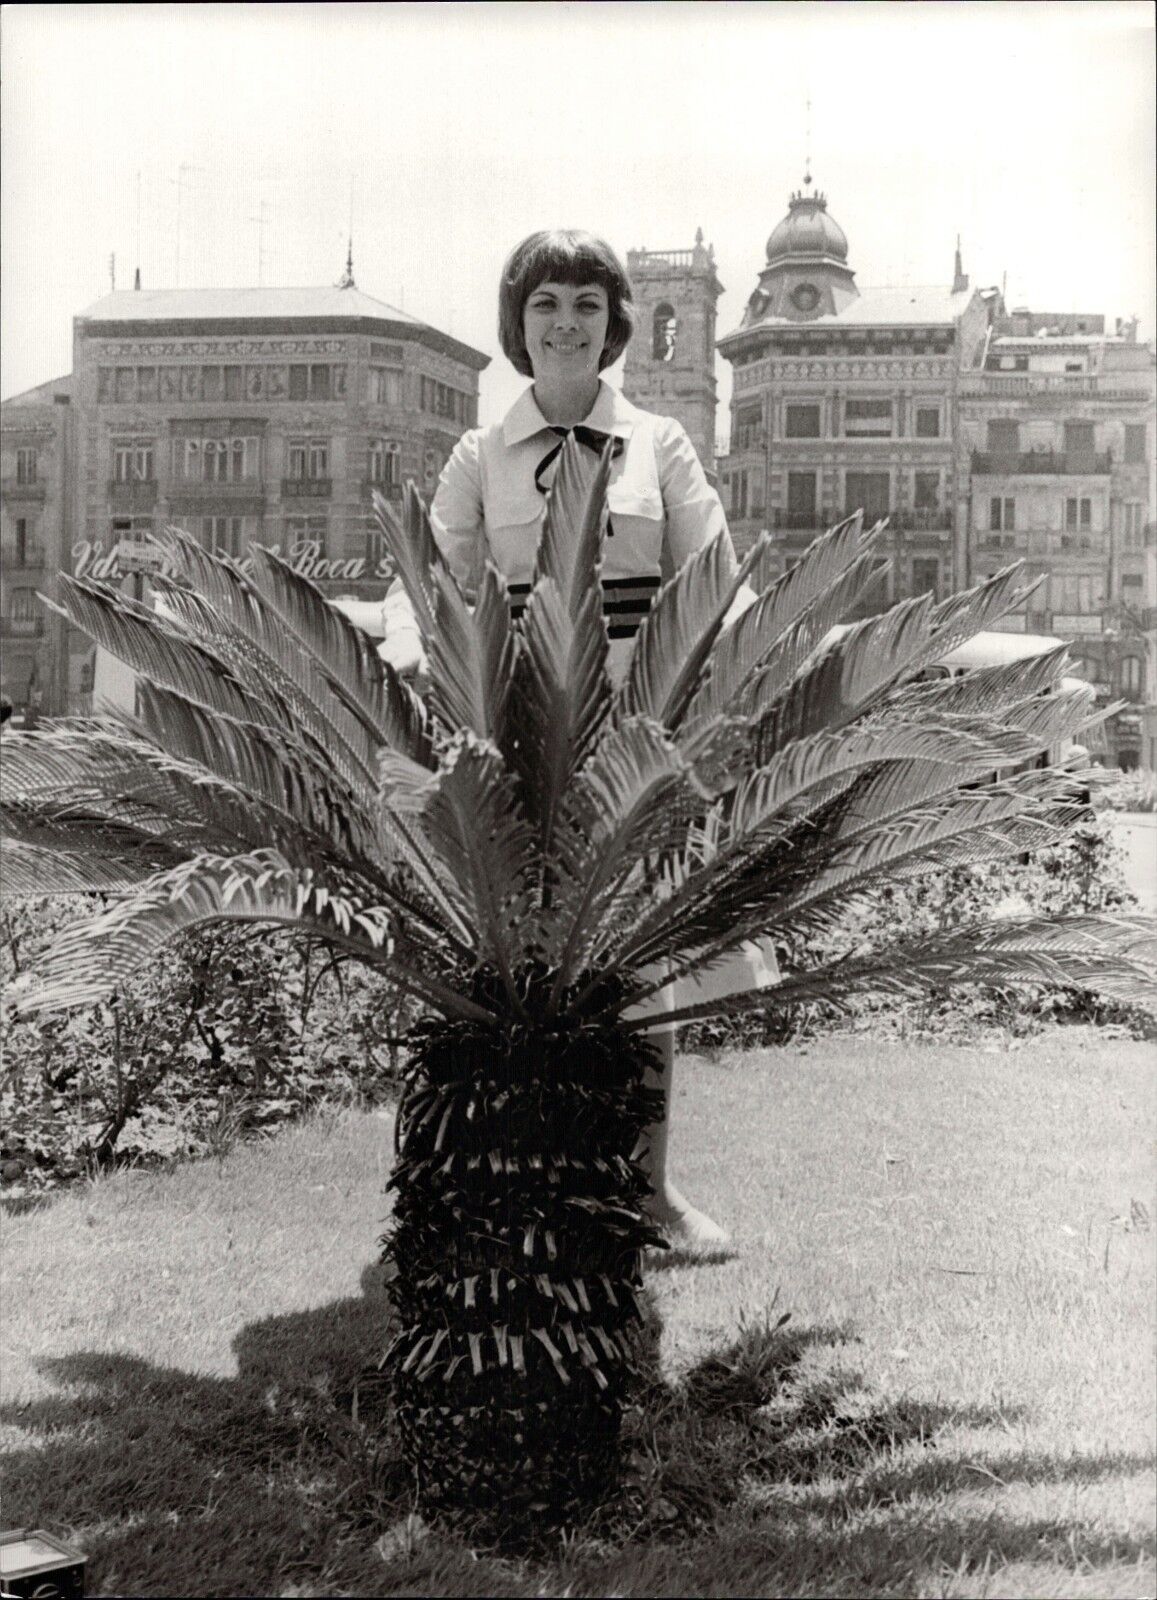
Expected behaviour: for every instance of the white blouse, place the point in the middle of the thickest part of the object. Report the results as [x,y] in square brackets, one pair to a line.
[488,504]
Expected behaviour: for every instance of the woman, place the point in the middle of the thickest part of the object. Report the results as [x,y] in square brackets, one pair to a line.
[565,313]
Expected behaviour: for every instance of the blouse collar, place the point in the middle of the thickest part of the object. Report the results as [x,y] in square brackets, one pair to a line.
[611,413]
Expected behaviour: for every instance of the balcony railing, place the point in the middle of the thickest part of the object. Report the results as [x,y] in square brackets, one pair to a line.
[21,627]
[1044,463]
[198,489]
[134,493]
[16,489]
[1108,386]
[306,488]
[31,558]
[388,491]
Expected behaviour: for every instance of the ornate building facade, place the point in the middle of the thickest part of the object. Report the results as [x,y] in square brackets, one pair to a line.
[1056,444]
[245,416]
[670,363]
[983,436]
[844,398]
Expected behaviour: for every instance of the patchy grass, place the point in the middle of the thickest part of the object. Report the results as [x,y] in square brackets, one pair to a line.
[961,1403]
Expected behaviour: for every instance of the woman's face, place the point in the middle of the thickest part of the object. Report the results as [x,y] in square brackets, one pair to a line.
[565,329]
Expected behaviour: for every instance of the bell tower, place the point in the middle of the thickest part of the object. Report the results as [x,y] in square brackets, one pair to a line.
[670,365]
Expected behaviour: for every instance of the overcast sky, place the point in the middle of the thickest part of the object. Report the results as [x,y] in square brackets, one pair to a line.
[457,129]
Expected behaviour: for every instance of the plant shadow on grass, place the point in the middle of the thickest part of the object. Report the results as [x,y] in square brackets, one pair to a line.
[764,1459]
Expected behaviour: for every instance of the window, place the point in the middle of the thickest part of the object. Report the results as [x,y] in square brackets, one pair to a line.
[212,384]
[1135,443]
[234,385]
[299,383]
[444,401]
[1003,436]
[868,419]
[385,387]
[1079,439]
[224,536]
[126,384]
[1002,514]
[230,459]
[1132,580]
[927,491]
[927,422]
[306,535]
[801,499]
[132,460]
[1131,675]
[1079,593]
[1131,525]
[867,491]
[308,459]
[1078,513]
[24,607]
[317,381]
[664,326]
[802,422]
[26,464]
[739,494]
[146,383]
[190,383]
[748,426]
[385,462]
[925,575]
[28,554]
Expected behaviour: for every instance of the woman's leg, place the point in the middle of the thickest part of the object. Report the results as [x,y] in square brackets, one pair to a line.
[679,1219]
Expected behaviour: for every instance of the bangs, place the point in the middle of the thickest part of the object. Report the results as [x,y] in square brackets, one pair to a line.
[570,258]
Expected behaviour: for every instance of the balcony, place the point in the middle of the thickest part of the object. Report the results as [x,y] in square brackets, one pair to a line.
[921,519]
[227,489]
[388,491]
[136,494]
[306,488]
[1027,384]
[1042,463]
[21,627]
[15,489]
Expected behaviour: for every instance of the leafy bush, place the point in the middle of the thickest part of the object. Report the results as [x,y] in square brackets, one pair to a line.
[1130,791]
[1084,875]
[224,1035]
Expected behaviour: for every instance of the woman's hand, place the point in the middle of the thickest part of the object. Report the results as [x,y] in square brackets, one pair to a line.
[403,650]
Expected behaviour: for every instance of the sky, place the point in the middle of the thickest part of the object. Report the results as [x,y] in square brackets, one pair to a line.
[162,134]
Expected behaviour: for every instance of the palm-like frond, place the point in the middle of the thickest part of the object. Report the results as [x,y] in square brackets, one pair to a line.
[1114,956]
[744,778]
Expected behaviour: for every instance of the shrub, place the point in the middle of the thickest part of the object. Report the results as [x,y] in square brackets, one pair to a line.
[224,1035]
[1130,791]
[1083,875]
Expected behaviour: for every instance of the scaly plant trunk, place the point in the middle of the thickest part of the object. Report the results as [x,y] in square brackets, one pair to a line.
[517,1239]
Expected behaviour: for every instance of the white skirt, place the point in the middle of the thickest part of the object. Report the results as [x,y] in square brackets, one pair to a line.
[752,966]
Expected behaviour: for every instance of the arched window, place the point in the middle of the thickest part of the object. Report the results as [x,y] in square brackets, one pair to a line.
[663,332]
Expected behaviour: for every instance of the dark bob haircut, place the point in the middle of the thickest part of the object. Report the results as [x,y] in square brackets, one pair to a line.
[563,255]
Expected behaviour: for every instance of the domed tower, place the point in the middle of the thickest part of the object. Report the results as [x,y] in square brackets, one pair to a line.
[807,273]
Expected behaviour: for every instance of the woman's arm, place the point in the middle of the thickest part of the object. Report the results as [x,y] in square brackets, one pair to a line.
[693,509]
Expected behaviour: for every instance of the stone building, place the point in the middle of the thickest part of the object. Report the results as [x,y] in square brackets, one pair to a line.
[670,363]
[36,454]
[1056,445]
[245,416]
[844,398]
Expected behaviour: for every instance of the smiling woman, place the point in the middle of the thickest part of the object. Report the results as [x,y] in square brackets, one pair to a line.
[565,314]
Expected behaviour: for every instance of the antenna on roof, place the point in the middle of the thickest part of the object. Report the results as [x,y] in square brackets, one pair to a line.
[261,219]
[112,271]
[807,159]
[137,276]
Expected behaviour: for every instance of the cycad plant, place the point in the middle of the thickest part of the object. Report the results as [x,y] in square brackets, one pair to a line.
[532,852]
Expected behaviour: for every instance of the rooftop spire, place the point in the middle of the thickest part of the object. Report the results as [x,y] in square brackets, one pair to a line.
[960,277]
[346,280]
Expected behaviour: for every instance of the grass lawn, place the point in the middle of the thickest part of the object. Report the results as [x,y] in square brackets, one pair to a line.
[961,1404]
